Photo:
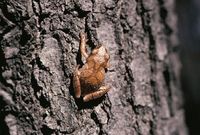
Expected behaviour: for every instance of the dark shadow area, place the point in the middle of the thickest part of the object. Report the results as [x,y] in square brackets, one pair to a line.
[90,104]
[188,12]
[4,129]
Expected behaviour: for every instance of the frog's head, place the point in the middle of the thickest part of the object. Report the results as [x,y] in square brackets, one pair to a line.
[100,51]
[101,54]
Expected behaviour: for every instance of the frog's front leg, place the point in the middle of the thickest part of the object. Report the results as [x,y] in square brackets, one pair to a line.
[76,83]
[97,94]
[83,44]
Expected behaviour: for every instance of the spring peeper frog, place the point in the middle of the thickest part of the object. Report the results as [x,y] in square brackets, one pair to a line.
[88,81]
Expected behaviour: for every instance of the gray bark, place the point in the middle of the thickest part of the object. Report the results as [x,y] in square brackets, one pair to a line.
[39,48]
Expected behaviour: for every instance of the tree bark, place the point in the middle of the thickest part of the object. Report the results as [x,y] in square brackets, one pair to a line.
[39,48]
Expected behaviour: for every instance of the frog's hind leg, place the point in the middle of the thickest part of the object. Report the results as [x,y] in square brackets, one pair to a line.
[83,44]
[97,94]
[76,83]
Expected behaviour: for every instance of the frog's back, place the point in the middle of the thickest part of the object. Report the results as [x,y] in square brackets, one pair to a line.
[91,80]
[92,77]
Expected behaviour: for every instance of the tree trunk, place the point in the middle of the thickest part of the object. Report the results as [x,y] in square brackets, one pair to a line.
[39,49]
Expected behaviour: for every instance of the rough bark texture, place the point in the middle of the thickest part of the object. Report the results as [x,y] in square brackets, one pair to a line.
[39,49]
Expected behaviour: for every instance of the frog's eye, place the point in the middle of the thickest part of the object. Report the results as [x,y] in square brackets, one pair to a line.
[95,51]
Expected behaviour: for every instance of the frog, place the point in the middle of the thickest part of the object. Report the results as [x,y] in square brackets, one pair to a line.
[89,80]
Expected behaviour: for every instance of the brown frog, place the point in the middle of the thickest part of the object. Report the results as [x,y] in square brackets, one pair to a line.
[88,81]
